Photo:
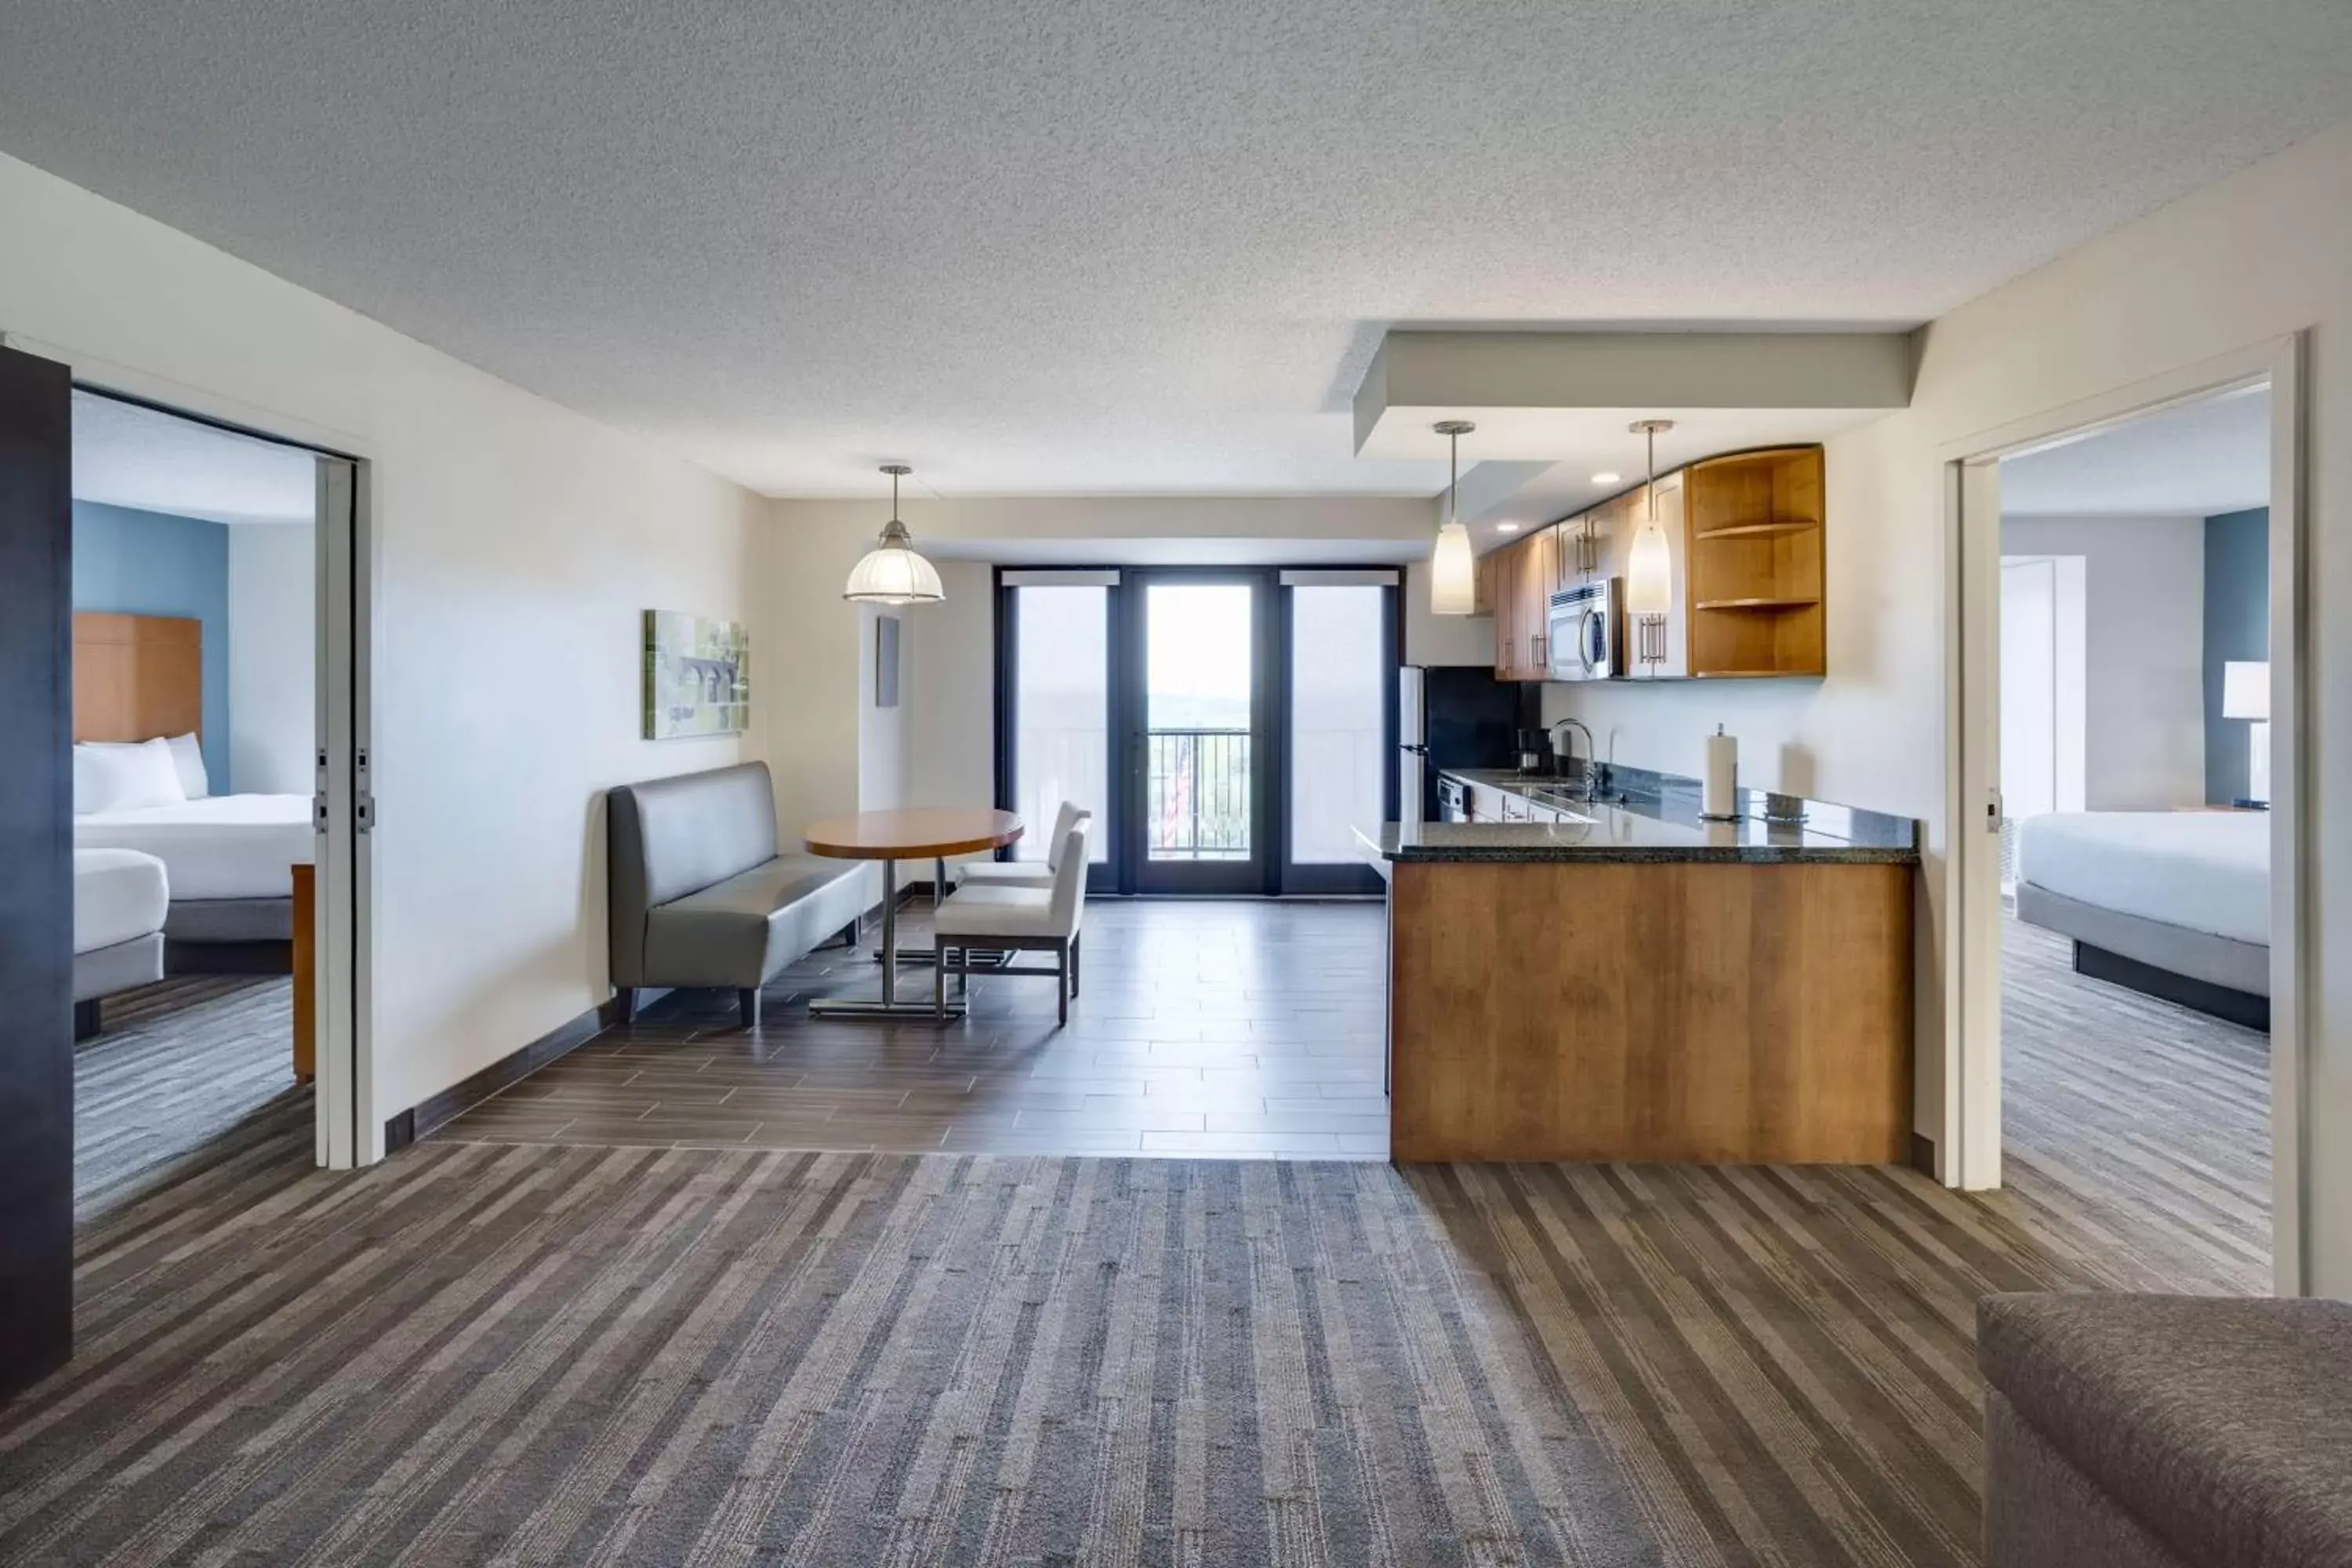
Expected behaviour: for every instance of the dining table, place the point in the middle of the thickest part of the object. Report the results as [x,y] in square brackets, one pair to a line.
[905,832]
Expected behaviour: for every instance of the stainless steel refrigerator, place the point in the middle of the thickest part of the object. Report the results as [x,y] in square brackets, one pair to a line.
[1454,716]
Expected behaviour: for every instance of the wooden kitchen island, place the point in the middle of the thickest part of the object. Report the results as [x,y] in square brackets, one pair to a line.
[1641,986]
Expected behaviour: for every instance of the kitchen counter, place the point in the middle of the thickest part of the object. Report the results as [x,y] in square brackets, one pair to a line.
[1661,826]
[1629,983]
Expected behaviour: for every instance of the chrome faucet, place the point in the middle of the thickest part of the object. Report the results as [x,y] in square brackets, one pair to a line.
[1582,776]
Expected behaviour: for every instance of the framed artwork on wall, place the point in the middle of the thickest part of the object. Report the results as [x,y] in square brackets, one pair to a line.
[885,661]
[698,676]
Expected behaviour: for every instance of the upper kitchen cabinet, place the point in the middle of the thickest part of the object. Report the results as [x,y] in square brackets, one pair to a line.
[1744,552]
[1753,523]
[1521,577]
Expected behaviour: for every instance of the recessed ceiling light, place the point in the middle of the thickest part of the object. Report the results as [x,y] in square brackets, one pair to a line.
[1606,479]
[1507,528]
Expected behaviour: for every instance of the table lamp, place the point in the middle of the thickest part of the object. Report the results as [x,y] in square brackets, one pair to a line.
[2246,694]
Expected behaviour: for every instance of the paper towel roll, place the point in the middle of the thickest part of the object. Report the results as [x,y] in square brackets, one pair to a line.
[1719,792]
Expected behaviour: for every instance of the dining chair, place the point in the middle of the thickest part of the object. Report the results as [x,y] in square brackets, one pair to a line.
[1018,919]
[1027,873]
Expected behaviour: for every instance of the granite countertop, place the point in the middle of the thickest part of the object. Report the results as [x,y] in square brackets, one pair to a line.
[1657,819]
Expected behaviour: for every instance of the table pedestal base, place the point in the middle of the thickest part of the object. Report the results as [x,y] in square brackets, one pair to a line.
[888,956]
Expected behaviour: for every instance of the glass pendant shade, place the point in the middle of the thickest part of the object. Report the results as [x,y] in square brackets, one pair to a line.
[892,573]
[1453,575]
[1649,574]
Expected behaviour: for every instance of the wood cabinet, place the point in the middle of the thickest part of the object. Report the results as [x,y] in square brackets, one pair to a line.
[1524,576]
[1754,526]
[1608,1010]
[1744,544]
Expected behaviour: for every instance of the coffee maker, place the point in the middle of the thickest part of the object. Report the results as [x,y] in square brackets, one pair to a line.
[1535,753]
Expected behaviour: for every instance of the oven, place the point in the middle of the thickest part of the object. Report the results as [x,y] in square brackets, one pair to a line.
[1587,638]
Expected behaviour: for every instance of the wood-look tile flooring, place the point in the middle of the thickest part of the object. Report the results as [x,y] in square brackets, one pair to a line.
[1239,1029]
[533,1347]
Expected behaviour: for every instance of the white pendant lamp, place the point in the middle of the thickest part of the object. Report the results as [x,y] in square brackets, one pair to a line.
[1452,575]
[891,572]
[1649,566]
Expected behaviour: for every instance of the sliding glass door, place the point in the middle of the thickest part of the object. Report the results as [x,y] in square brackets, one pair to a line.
[1232,730]
[1056,663]
[1339,721]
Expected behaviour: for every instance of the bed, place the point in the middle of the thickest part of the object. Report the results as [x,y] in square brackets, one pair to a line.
[140,785]
[119,900]
[2173,903]
[231,860]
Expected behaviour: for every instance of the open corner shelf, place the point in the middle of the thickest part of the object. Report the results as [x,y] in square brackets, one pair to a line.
[1772,530]
[1757,604]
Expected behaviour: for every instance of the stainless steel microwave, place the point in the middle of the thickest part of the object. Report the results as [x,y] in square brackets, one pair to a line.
[1587,641]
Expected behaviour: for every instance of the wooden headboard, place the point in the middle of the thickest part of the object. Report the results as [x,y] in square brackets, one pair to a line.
[137,676]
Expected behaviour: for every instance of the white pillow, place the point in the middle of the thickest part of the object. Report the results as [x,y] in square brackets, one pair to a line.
[188,757]
[125,778]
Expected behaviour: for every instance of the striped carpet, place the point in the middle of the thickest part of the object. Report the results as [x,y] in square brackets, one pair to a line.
[186,1072]
[544,1354]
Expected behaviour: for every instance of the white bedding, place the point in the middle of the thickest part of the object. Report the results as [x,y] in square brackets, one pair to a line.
[223,846]
[2207,870]
[119,894]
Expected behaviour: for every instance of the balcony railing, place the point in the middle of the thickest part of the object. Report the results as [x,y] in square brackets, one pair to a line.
[1199,794]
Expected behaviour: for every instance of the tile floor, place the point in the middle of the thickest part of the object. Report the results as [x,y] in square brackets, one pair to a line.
[1243,1028]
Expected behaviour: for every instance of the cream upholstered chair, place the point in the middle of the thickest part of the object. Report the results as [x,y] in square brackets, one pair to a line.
[1018,919]
[1027,873]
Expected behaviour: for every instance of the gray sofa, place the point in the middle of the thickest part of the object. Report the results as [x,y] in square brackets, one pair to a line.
[700,896]
[2127,1431]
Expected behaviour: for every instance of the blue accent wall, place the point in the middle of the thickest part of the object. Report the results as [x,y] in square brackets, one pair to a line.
[2237,626]
[153,563]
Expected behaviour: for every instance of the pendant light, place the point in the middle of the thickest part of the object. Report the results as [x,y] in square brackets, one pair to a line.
[1452,575]
[1649,564]
[891,572]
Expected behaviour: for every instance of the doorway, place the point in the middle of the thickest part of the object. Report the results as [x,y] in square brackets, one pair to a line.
[190,892]
[2113,877]
[1199,712]
[1229,727]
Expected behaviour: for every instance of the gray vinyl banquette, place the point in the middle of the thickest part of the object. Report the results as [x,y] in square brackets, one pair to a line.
[699,895]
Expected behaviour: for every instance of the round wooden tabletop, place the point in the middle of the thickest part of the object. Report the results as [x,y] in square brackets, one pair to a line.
[914,833]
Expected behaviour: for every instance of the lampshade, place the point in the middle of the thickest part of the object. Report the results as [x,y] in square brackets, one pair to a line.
[1649,574]
[1453,575]
[2246,688]
[891,572]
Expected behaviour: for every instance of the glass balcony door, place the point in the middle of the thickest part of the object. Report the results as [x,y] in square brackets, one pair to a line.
[1199,715]
[1055,699]
[1338,725]
[1231,729]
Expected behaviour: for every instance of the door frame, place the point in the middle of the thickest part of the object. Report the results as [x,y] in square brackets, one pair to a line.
[1102,876]
[1125,654]
[346,1131]
[1131,712]
[1354,878]
[1970,1151]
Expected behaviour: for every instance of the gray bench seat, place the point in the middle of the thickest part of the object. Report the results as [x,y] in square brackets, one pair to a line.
[700,896]
[2159,1431]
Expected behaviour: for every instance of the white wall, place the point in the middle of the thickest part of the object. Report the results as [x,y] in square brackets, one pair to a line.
[810,546]
[952,719]
[1441,639]
[273,649]
[2144,743]
[2243,262]
[517,544]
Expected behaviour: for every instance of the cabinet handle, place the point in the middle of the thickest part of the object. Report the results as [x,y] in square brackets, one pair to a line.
[1542,648]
